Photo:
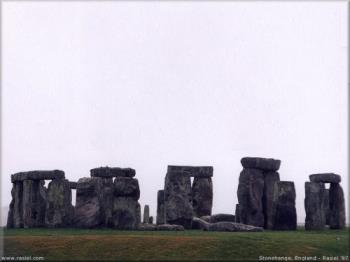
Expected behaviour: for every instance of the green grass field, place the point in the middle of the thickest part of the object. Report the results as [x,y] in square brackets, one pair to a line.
[107,244]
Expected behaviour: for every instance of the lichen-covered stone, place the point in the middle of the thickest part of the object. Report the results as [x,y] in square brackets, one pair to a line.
[34,203]
[178,199]
[110,172]
[59,208]
[193,171]
[265,164]
[284,201]
[37,175]
[202,196]
[325,178]
[314,206]
[126,213]
[270,178]
[126,187]
[250,192]
[336,207]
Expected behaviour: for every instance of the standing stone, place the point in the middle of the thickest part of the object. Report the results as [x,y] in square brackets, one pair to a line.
[151,220]
[336,206]
[160,208]
[314,206]
[326,206]
[18,205]
[59,209]
[202,196]
[34,203]
[237,215]
[88,207]
[106,195]
[146,214]
[250,192]
[126,208]
[270,178]
[178,199]
[284,199]
[10,219]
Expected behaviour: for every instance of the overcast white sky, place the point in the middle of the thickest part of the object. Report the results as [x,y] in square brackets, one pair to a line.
[147,84]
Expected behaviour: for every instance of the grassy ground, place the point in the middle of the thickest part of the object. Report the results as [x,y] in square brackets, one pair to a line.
[106,244]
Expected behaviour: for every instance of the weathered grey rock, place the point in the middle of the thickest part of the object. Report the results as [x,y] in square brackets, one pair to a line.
[59,208]
[151,220]
[232,227]
[106,197]
[146,214]
[37,175]
[325,178]
[219,218]
[314,206]
[88,208]
[193,171]
[178,199]
[10,215]
[237,215]
[270,178]
[199,223]
[126,213]
[250,193]
[110,172]
[326,206]
[34,203]
[284,201]
[73,185]
[336,206]
[147,227]
[266,164]
[202,196]
[168,227]
[126,187]
[18,205]
[160,208]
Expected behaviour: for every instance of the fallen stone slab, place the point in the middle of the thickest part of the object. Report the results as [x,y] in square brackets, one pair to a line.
[266,164]
[147,227]
[232,227]
[199,223]
[37,175]
[219,218]
[169,227]
[325,178]
[193,171]
[109,172]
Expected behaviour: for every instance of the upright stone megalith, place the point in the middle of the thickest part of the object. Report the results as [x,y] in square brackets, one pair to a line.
[34,203]
[314,206]
[255,191]
[160,208]
[284,201]
[146,214]
[126,208]
[59,208]
[336,207]
[202,196]
[250,192]
[323,206]
[178,199]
